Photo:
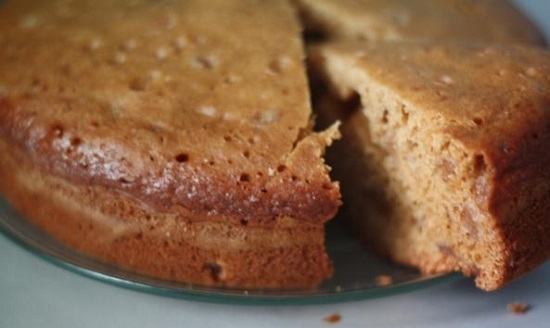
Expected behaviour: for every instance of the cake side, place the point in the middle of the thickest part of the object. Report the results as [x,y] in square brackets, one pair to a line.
[175,245]
[486,21]
[458,133]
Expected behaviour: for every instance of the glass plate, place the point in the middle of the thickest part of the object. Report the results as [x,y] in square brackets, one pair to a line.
[355,271]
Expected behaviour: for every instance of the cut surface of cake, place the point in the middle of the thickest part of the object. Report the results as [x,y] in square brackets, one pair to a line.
[170,138]
[445,160]
[493,21]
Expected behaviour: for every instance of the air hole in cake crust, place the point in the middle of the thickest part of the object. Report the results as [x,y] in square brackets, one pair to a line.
[468,222]
[384,118]
[182,157]
[446,250]
[253,140]
[245,177]
[479,164]
[137,84]
[281,168]
[327,186]
[76,141]
[404,115]
[216,270]
[58,131]
[126,180]
[478,121]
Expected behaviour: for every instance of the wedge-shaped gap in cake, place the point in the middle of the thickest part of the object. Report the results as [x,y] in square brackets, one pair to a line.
[182,157]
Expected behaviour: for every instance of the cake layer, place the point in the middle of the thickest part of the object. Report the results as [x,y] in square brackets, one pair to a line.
[175,244]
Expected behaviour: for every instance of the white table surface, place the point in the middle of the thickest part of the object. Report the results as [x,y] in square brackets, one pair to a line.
[35,293]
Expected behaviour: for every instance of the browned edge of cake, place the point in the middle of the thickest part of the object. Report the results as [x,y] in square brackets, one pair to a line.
[173,244]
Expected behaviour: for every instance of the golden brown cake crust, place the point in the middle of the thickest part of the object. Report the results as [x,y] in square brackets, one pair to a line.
[482,114]
[177,111]
[155,100]
[483,21]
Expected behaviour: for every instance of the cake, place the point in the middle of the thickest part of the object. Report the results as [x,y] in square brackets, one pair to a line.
[167,137]
[483,21]
[445,163]
[176,138]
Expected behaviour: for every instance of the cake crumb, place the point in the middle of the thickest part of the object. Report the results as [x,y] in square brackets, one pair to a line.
[119,58]
[204,62]
[207,111]
[28,22]
[155,75]
[279,64]
[170,21]
[501,72]
[180,43]
[267,116]
[446,79]
[531,71]
[518,308]
[129,44]
[95,44]
[333,318]
[383,280]
[161,53]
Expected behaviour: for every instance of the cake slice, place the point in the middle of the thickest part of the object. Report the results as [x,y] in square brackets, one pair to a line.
[445,160]
[494,21]
[169,138]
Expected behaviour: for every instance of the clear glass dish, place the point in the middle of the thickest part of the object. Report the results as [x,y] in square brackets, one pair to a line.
[355,271]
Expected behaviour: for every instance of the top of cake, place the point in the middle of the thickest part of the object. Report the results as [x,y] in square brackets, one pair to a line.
[174,102]
[480,94]
[493,21]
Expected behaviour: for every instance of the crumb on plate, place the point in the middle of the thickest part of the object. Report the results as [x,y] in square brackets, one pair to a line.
[518,307]
[383,280]
[333,318]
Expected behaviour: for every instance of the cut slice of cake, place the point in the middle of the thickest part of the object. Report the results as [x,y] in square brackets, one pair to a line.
[445,160]
[170,138]
[495,21]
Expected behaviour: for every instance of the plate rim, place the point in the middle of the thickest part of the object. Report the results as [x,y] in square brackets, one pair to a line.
[205,294]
